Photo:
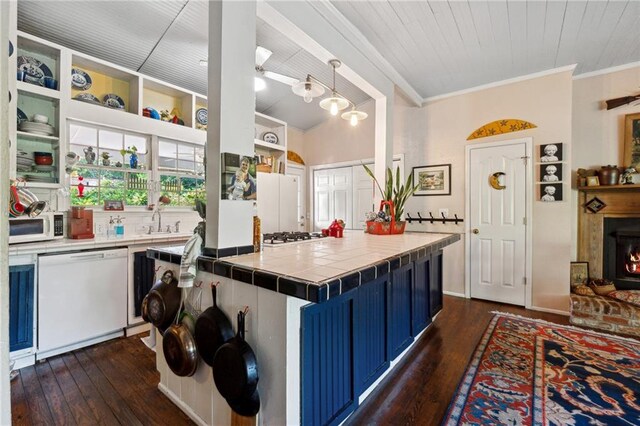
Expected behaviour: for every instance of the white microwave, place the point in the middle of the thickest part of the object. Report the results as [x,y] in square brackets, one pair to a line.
[46,226]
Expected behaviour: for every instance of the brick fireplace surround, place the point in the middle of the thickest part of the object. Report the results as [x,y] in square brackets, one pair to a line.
[622,202]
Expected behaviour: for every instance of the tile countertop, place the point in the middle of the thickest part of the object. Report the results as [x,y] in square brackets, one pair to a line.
[95,243]
[316,270]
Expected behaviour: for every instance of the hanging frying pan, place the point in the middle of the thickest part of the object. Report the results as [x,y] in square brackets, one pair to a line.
[212,330]
[163,301]
[235,368]
[179,348]
[247,406]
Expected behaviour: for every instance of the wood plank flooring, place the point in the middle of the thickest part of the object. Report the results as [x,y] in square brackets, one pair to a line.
[116,382]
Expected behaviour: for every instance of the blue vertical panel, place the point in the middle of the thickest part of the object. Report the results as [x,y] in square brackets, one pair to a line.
[421,308]
[435,287]
[21,288]
[370,326]
[399,312]
[328,393]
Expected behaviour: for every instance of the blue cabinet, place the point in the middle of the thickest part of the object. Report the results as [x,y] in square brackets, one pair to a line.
[421,295]
[370,327]
[328,392]
[21,300]
[399,314]
[435,286]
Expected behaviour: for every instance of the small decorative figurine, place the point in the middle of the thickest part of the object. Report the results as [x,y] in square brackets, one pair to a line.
[89,155]
[627,176]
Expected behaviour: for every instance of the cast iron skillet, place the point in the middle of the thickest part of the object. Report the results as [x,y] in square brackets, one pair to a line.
[212,330]
[247,407]
[235,369]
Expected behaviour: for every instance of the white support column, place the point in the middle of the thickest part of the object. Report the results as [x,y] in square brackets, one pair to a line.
[383,138]
[6,9]
[231,105]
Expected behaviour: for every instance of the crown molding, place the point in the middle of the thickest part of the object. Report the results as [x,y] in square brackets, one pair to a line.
[500,83]
[607,70]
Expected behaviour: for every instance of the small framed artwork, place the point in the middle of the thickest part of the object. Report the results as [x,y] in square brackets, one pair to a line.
[551,192]
[593,181]
[551,153]
[432,180]
[113,205]
[579,273]
[551,172]
[632,140]
[595,204]
[238,177]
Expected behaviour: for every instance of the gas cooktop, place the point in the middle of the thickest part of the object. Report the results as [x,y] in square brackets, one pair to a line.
[289,237]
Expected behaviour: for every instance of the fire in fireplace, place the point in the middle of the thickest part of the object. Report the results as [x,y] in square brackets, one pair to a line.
[621,252]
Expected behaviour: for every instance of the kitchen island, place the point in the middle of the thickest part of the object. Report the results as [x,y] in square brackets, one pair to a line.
[328,319]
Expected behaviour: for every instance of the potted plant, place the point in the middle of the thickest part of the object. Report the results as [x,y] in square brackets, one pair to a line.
[394,196]
[106,159]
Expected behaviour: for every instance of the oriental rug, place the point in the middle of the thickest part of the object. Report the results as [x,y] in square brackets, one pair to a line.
[532,372]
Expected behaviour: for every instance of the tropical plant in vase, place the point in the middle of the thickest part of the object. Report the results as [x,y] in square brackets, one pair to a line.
[133,156]
[394,191]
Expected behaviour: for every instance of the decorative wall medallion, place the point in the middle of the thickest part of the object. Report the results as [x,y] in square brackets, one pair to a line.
[595,205]
[494,180]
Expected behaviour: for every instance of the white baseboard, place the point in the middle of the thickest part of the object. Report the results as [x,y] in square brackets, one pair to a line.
[184,407]
[551,311]
[43,355]
[454,294]
[137,329]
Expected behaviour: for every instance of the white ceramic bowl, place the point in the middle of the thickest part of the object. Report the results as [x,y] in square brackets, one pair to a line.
[39,118]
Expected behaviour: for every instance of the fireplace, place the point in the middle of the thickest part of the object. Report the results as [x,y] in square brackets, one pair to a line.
[621,252]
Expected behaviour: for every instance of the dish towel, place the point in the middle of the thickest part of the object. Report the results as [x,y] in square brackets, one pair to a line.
[192,250]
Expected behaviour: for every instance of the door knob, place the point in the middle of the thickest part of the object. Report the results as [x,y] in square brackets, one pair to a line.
[475,231]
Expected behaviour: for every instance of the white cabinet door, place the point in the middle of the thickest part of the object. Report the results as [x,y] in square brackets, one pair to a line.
[363,196]
[333,198]
[268,202]
[300,172]
[288,203]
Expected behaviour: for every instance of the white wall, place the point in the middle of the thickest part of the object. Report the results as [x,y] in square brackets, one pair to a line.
[437,133]
[598,134]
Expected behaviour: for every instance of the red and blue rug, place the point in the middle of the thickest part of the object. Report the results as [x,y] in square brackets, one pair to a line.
[532,372]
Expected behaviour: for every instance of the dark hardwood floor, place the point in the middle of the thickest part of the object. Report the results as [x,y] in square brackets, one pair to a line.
[108,384]
[116,382]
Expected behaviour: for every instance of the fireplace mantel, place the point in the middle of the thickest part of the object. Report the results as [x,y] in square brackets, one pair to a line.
[621,201]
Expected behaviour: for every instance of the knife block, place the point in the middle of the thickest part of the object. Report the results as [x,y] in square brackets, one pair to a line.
[80,223]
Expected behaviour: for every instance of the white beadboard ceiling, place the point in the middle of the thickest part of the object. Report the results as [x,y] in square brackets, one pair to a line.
[437,46]
[446,46]
[167,40]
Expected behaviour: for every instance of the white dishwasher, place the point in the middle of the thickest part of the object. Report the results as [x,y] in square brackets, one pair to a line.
[82,299]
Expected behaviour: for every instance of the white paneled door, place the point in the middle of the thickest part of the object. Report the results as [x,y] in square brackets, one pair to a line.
[498,222]
[300,173]
[332,198]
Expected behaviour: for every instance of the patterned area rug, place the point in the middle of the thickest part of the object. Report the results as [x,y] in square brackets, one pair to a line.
[532,372]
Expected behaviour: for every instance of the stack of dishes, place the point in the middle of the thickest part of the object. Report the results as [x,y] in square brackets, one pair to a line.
[40,178]
[37,128]
[24,161]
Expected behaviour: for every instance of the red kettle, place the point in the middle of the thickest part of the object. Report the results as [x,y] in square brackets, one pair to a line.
[334,230]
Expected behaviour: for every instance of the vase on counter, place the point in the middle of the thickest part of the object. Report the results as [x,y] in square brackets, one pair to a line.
[89,155]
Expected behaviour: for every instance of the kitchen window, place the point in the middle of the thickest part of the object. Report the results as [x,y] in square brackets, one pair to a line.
[107,168]
[181,171]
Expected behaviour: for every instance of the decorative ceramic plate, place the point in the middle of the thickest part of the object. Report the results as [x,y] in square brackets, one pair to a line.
[80,79]
[34,70]
[87,97]
[270,137]
[21,116]
[10,48]
[202,116]
[113,101]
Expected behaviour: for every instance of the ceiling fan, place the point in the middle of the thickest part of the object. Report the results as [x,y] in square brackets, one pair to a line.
[262,55]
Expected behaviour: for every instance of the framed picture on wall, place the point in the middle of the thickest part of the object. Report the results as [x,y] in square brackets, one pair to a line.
[632,140]
[551,192]
[238,177]
[551,153]
[432,180]
[579,273]
[551,172]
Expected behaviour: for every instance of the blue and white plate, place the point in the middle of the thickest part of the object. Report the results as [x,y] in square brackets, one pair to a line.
[87,97]
[80,79]
[202,116]
[22,116]
[34,70]
[113,101]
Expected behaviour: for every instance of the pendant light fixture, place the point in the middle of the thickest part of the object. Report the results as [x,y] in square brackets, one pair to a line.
[311,88]
[335,102]
[308,89]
